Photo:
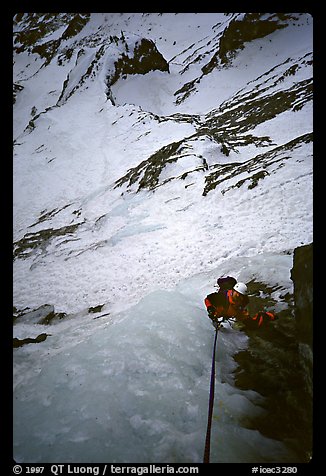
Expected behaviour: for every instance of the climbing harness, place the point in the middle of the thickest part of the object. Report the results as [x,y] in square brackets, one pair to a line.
[211,402]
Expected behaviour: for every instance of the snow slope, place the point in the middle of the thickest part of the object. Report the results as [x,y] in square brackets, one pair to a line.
[136,196]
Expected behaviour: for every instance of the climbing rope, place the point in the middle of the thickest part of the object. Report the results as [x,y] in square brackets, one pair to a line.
[211,403]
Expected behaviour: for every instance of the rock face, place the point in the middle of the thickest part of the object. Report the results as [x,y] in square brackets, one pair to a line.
[247,28]
[29,340]
[278,362]
[42,315]
[145,58]
[36,27]
[302,277]
[115,56]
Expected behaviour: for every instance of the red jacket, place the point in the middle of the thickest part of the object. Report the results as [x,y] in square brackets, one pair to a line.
[219,304]
[222,304]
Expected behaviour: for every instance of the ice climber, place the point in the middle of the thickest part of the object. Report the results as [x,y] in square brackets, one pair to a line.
[231,301]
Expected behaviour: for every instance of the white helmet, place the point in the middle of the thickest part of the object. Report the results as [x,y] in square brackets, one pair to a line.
[241,288]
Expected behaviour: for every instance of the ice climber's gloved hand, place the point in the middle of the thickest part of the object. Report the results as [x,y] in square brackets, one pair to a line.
[218,322]
[267,314]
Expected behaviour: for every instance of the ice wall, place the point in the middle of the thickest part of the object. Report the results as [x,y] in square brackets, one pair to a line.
[136,390]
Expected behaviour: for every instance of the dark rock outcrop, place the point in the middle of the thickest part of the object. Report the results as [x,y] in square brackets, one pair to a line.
[302,277]
[244,30]
[145,58]
[42,315]
[278,363]
[29,340]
